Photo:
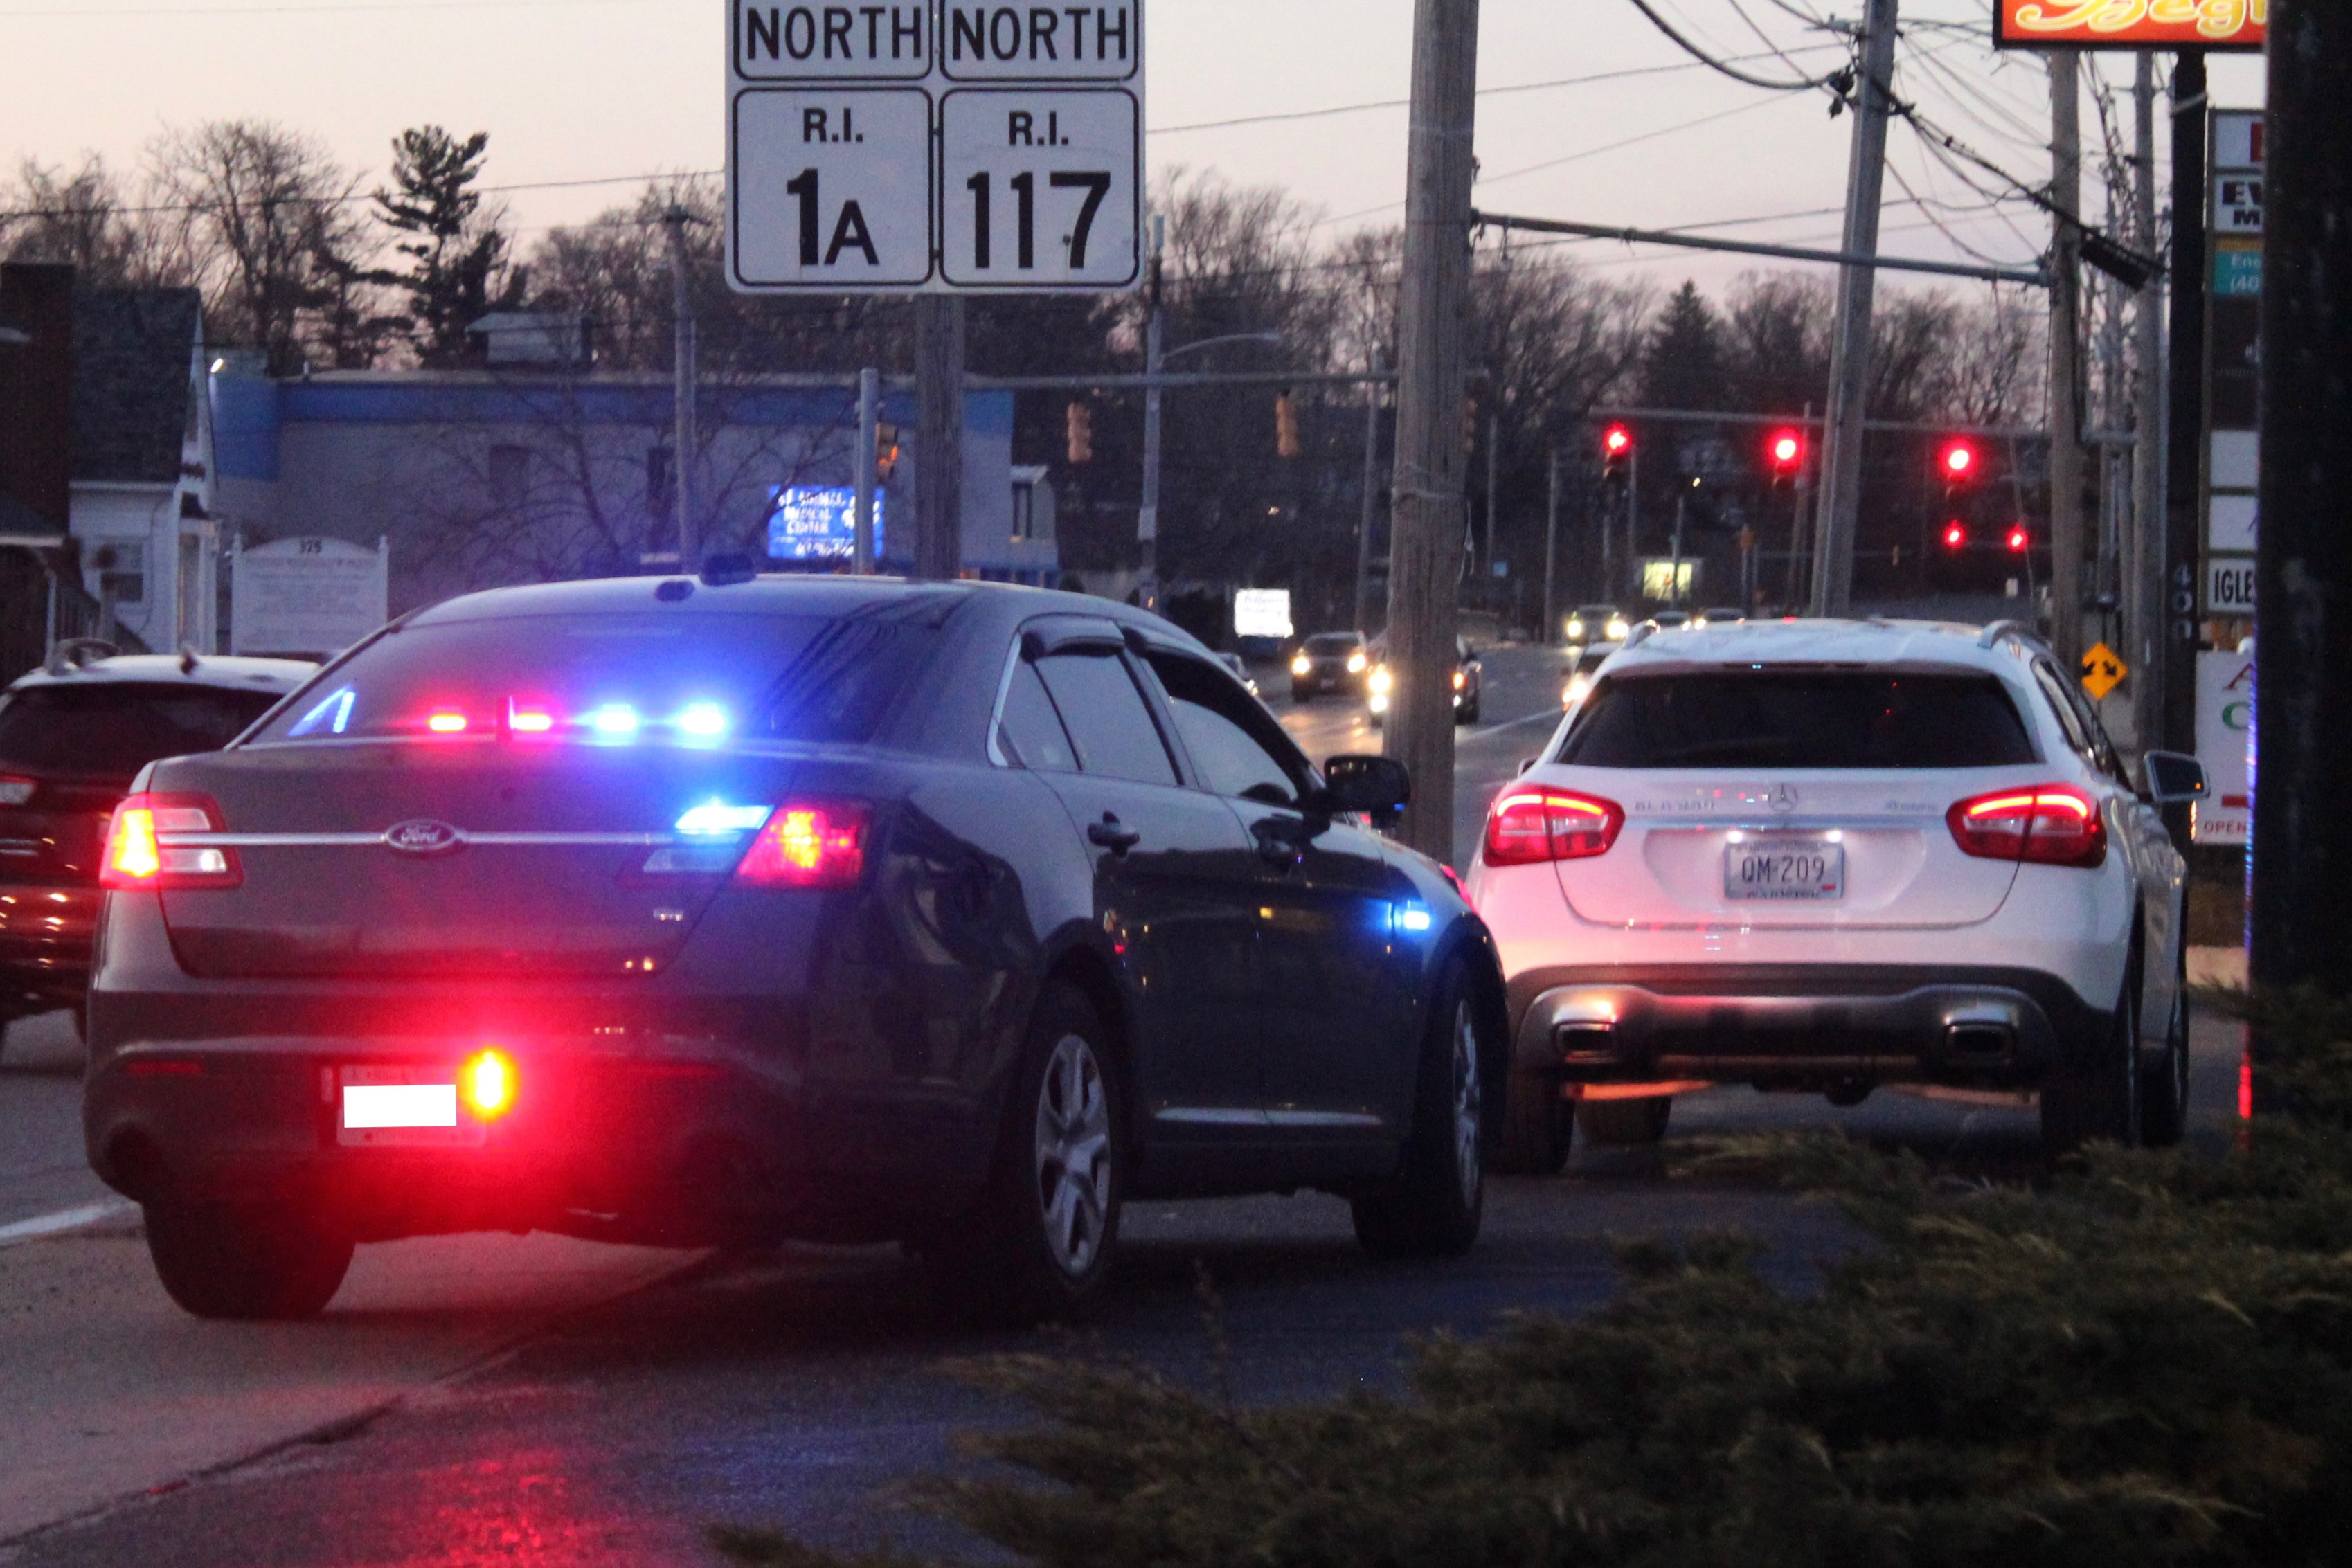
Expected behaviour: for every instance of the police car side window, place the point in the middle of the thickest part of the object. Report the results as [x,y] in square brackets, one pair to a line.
[1031,732]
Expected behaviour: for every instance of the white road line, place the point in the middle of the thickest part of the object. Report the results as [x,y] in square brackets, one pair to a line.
[63,1219]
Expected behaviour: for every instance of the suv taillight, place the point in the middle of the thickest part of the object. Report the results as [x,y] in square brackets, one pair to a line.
[141,854]
[2049,824]
[1528,825]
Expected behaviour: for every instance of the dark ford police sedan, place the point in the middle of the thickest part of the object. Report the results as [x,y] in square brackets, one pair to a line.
[705,911]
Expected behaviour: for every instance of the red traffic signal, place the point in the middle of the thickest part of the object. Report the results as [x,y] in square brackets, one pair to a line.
[1957,462]
[2019,540]
[1956,536]
[1616,441]
[1786,449]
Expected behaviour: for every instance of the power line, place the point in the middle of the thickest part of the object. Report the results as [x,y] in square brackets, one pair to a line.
[1724,67]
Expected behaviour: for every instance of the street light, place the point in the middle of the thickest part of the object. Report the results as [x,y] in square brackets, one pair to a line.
[1155,361]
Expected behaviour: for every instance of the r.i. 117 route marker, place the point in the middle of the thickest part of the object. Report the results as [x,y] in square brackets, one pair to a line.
[934,146]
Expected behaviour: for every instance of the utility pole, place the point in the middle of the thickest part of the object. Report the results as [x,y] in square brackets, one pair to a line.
[2143,597]
[1433,308]
[1552,545]
[1370,513]
[1155,356]
[1840,510]
[939,440]
[1802,521]
[869,429]
[2302,566]
[2184,419]
[2065,360]
[1494,450]
[683,439]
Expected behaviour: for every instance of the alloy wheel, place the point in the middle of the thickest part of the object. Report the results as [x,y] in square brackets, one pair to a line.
[1072,1169]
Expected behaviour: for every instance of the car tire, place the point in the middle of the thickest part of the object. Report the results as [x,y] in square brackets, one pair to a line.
[1625,1122]
[2083,1100]
[251,1261]
[1039,1244]
[2164,1093]
[1467,713]
[1538,1122]
[1434,1206]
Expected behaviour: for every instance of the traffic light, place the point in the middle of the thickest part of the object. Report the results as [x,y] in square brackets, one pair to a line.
[1081,422]
[1285,425]
[1469,425]
[885,450]
[1785,452]
[1616,450]
[1956,535]
[1956,464]
[2019,540]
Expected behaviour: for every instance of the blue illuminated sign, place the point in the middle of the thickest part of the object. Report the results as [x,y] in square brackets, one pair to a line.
[809,522]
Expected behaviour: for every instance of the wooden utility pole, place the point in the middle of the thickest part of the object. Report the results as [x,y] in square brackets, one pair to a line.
[1434,302]
[869,430]
[2065,360]
[1840,510]
[2184,420]
[683,438]
[2144,594]
[1551,547]
[2302,566]
[939,436]
[1371,501]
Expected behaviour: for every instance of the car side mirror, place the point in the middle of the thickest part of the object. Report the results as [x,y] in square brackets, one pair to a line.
[2173,777]
[1377,785]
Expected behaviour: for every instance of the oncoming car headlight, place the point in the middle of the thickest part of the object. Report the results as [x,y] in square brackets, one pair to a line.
[1382,682]
[1302,666]
[1356,663]
[1617,629]
[1460,680]
[1576,630]
[1577,686]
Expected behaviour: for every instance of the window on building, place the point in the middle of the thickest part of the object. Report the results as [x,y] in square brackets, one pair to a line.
[1024,511]
[121,565]
[509,477]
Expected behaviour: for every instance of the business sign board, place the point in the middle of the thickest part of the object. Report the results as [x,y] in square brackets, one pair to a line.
[2130,24]
[1262,612]
[306,596]
[2225,730]
[935,146]
[808,522]
[2232,361]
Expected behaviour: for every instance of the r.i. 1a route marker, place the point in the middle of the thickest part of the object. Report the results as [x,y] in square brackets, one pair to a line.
[934,146]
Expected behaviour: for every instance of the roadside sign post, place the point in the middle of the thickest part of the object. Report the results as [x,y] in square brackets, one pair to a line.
[939,149]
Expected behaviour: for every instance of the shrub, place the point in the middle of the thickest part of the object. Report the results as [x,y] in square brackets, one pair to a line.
[2147,1361]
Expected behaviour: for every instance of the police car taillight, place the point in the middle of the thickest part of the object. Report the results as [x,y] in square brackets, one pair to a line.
[148,844]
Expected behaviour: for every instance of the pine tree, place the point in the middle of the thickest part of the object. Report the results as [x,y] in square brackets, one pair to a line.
[1683,364]
[459,269]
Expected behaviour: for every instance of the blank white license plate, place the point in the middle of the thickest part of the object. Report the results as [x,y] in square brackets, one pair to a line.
[1791,865]
[410,1107]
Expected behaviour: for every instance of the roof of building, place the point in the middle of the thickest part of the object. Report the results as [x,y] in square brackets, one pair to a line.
[131,383]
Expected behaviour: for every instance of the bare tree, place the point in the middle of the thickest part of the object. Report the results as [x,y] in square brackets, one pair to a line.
[265,217]
[88,218]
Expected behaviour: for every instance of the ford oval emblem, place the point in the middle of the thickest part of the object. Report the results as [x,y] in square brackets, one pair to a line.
[422,836]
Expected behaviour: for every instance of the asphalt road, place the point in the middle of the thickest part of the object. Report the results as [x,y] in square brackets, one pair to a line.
[501,1399]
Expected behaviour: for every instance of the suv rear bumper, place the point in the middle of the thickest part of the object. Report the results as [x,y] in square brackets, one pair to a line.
[1798,1025]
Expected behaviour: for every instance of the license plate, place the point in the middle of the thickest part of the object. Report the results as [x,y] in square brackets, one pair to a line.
[401,1107]
[1792,867]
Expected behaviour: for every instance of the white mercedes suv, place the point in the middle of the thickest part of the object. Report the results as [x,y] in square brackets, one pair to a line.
[1827,855]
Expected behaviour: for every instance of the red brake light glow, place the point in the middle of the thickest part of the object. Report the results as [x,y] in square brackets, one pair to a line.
[141,851]
[486,1083]
[808,845]
[1530,825]
[2049,824]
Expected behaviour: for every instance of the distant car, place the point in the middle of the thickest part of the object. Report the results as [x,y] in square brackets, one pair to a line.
[1330,661]
[1596,623]
[1467,668]
[1719,615]
[1828,855]
[1579,675]
[1240,671]
[72,735]
[1671,619]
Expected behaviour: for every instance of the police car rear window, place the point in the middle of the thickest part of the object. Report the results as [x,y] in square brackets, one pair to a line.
[1798,719]
[618,680]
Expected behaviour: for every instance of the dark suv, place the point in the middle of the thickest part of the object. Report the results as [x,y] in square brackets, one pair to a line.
[71,736]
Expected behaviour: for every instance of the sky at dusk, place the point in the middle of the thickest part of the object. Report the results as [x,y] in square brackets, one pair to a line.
[575,90]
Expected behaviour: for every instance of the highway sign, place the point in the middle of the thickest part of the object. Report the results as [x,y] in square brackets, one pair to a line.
[934,146]
[2103,671]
